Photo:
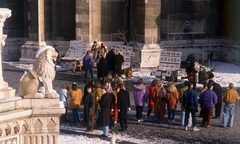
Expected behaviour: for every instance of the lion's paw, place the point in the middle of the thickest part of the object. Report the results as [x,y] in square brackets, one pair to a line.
[52,95]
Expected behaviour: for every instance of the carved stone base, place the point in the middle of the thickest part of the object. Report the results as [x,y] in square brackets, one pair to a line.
[33,121]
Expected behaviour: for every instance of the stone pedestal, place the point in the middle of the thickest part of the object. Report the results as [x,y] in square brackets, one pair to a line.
[29,50]
[147,55]
[30,121]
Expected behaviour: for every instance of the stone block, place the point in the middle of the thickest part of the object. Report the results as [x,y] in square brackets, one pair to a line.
[40,103]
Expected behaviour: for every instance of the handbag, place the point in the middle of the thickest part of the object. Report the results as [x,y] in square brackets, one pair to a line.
[93,116]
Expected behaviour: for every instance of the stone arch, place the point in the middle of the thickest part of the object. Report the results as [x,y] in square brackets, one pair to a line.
[16,128]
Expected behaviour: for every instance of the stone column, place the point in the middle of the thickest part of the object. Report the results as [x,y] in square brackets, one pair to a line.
[5,91]
[147,33]
[83,21]
[36,32]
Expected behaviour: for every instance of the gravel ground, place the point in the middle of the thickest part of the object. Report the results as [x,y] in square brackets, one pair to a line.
[148,129]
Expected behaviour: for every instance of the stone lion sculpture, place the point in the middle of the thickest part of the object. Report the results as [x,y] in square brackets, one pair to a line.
[37,82]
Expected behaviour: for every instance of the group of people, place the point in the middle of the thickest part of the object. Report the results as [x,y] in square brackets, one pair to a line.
[106,61]
[108,101]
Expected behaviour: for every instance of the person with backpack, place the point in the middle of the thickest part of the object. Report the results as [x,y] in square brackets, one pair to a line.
[192,68]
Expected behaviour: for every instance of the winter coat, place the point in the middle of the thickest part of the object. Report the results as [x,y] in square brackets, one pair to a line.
[182,90]
[172,98]
[190,98]
[159,102]
[89,103]
[88,62]
[75,98]
[111,60]
[150,97]
[112,102]
[102,68]
[218,90]
[123,103]
[140,95]
[97,92]
[208,99]
[63,96]
[104,102]
[231,96]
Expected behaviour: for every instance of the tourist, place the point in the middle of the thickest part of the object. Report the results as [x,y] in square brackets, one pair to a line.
[64,98]
[191,69]
[104,103]
[97,93]
[199,100]
[116,89]
[208,101]
[172,99]
[102,69]
[229,98]
[140,98]
[91,83]
[150,97]
[95,48]
[190,102]
[101,53]
[119,59]
[123,106]
[88,65]
[160,100]
[111,61]
[89,108]
[218,90]
[112,98]
[75,102]
[182,116]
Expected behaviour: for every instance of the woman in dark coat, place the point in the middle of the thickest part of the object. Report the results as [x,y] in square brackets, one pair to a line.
[123,106]
[119,59]
[104,103]
[89,108]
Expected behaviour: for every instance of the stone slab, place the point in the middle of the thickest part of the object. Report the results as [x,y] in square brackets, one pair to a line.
[40,103]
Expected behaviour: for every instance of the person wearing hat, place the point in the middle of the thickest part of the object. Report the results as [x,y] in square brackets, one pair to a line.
[218,90]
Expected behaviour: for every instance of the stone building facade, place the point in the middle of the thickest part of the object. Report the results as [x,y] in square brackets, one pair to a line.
[149,25]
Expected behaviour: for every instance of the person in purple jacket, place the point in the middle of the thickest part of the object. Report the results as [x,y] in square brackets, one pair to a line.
[140,97]
[88,65]
[208,100]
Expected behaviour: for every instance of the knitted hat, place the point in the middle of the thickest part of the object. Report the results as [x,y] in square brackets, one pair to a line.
[211,75]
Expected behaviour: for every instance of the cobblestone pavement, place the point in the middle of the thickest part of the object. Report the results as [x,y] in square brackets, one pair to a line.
[148,129]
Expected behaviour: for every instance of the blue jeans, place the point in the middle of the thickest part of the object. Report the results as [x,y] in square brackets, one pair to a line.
[97,113]
[105,130]
[228,109]
[171,114]
[182,118]
[76,114]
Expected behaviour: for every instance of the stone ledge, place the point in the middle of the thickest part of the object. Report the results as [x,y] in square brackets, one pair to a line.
[15,114]
[40,103]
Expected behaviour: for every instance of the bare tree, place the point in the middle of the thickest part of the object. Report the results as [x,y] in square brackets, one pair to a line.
[123,36]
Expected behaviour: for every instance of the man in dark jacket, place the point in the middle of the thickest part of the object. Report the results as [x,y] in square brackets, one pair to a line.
[190,102]
[218,90]
[119,59]
[123,106]
[208,100]
[104,103]
[111,60]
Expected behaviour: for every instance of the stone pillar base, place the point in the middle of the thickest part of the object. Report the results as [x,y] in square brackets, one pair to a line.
[28,51]
[147,55]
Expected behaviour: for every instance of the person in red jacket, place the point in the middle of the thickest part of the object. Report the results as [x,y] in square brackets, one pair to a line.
[150,97]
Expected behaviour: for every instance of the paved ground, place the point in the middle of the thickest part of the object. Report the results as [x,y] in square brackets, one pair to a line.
[148,129]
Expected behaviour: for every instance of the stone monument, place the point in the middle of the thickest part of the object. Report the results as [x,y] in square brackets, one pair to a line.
[29,121]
